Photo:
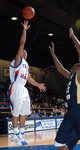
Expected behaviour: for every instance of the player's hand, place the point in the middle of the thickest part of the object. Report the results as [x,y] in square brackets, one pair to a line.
[71,33]
[42,87]
[25,25]
[51,48]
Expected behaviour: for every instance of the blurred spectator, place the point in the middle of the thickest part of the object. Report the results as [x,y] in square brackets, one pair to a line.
[54,100]
[62,100]
[58,100]
[36,100]
[62,113]
[53,113]
[55,108]
[65,104]
[44,114]
[39,113]
[33,114]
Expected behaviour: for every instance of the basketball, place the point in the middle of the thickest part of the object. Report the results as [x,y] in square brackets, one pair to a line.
[28,12]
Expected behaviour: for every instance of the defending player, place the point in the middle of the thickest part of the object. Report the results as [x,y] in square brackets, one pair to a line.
[69,131]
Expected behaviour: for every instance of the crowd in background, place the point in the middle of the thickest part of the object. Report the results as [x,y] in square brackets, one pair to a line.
[40,102]
[57,104]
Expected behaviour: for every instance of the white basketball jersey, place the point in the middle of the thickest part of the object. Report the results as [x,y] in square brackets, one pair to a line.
[19,74]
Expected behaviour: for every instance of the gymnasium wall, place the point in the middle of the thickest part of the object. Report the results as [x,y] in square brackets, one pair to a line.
[56,82]
[35,72]
[4,70]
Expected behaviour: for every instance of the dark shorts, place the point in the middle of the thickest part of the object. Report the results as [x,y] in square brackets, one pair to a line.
[69,131]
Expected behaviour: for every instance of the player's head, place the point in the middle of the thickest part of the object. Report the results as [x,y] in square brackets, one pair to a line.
[75,68]
[25,54]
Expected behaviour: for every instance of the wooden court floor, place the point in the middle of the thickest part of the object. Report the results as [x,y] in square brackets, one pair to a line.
[38,140]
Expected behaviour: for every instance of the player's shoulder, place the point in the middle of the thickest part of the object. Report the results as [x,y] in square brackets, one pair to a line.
[12,63]
[25,62]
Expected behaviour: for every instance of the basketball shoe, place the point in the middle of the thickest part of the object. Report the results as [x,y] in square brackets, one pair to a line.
[23,141]
[16,139]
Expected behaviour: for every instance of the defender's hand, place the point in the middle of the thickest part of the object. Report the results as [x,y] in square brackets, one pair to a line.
[71,33]
[51,48]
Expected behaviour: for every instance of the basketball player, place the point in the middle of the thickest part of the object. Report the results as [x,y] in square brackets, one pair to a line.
[18,94]
[69,131]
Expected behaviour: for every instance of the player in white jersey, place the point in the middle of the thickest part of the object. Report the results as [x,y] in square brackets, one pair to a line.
[18,94]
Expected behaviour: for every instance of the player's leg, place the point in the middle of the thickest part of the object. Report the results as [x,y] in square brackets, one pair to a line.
[63,133]
[22,120]
[25,110]
[63,148]
[15,113]
[74,135]
[72,139]
[21,130]
[15,121]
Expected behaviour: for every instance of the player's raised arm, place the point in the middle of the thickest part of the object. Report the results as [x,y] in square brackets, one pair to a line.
[58,65]
[75,40]
[22,43]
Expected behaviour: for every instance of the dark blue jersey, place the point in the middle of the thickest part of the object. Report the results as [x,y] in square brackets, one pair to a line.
[69,131]
[73,91]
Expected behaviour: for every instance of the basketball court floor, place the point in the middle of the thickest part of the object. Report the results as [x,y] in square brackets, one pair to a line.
[40,140]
